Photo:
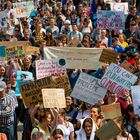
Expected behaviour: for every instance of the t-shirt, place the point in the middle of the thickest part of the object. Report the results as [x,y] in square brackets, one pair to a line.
[66,129]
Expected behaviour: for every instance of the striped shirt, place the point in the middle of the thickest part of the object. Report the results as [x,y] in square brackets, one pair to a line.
[7,115]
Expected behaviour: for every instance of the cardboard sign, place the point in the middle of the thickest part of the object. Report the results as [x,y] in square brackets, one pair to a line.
[126,65]
[53,98]
[108,131]
[73,42]
[76,58]
[123,6]
[51,67]
[110,20]
[22,78]
[108,56]
[32,50]
[31,91]
[62,82]
[135,92]
[23,9]
[11,44]
[117,80]
[111,111]
[87,89]
[17,51]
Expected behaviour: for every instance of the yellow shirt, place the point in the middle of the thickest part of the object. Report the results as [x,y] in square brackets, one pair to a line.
[124,44]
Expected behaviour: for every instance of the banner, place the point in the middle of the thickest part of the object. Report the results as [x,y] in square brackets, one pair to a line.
[126,65]
[110,20]
[123,6]
[32,50]
[23,9]
[117,80]
[87,89]
[22,78]
[76,58]
[108,56]
[31,91]
[53,98]
[51,67]
[108,131]
[135,92]
[111,111]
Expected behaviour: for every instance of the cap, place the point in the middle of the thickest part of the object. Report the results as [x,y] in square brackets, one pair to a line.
[67,22]
[2,85]
[49,30]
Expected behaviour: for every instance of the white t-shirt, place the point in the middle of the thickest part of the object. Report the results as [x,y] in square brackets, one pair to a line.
[66,129]
[83,114]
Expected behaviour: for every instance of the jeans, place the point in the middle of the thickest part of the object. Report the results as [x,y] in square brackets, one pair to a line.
[9,131]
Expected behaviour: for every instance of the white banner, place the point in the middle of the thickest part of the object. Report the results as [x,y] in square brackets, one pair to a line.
[76,58]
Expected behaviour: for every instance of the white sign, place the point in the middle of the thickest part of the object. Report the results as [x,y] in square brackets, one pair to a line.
[110,19]
[120,7]
[87,89]
[53,98]
[51,67]
[135,91]
[117,79]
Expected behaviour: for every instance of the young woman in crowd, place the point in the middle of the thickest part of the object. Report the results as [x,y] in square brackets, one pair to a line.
[66,127]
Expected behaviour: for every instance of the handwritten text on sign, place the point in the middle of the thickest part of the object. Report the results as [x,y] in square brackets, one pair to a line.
[52,67]
[117,79]
[87,89]
[53,98]
[110,20]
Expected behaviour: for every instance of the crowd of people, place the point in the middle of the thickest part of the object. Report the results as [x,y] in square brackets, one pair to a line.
[57,23]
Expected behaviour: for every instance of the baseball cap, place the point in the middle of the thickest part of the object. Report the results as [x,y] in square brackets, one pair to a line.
[2,85]
[67,22]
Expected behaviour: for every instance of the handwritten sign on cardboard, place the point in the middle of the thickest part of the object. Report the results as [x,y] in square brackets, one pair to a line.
[53,98]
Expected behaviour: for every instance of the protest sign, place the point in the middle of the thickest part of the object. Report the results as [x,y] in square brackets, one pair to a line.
[108,56]
[53,98]
[73,42]
[87,89]
[106,1]
[62,82]
[2,51]
[123,6]
[32,50]
[22,77]
[80,58]
[23,9]
[16,51]
[135,92]
[108,131]
[11,44]
[110,20]
[126,65]
[117,80]
[3,18]
[51,67]
[31,91]
[111,111]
